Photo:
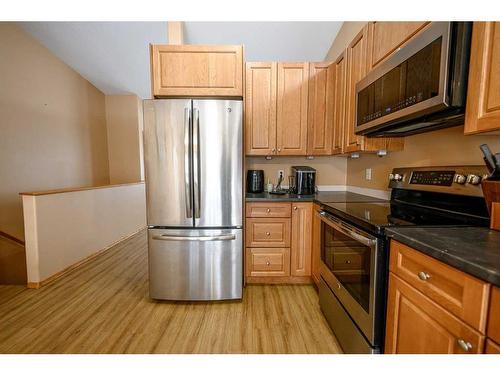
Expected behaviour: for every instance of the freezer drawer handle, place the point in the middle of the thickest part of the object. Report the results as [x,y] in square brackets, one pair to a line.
[225,237]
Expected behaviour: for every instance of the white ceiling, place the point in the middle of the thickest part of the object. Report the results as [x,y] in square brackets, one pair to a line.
[114,56]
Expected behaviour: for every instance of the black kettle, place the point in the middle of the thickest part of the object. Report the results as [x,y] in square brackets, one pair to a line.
[255,181]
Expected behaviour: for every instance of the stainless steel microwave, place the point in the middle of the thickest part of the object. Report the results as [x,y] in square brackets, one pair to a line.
[421,87]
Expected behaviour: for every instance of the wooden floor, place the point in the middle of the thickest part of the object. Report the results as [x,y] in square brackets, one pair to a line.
[103,307]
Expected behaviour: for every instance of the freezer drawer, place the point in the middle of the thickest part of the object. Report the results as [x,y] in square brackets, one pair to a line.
[196,264]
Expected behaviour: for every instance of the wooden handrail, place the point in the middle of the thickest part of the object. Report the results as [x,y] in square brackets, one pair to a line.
[70,190]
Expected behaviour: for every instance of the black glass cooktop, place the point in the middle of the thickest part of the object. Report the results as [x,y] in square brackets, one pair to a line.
[375,216]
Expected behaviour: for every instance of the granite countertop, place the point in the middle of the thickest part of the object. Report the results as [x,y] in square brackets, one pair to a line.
[473,250]
[320,197]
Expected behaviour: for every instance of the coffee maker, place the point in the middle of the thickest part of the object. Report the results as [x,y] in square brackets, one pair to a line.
[305,180]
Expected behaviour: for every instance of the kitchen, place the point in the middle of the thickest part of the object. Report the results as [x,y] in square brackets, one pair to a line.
[335,206]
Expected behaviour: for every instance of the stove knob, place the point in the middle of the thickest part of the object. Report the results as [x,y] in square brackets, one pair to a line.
[473,179]
[460,179]
[398,177]
[391,177]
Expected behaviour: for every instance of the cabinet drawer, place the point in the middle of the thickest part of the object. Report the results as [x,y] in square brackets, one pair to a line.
[494,315]
[461,294]
[417,325]
[262,232]
[267,262]
[264,209]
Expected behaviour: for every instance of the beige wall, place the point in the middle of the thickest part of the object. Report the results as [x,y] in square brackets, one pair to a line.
[442,147]
[63,229]
[330,170]
[53,126]
[124,133]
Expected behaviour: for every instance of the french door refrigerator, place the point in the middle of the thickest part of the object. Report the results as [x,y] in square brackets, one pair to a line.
[193,165]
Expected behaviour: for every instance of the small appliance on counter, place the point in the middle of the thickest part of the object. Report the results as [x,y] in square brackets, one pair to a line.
[255,181]
[305,180]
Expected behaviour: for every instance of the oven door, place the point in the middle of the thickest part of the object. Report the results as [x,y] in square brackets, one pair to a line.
[349,262]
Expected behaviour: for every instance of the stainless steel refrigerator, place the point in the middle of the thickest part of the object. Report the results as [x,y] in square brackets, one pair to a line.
[193,164]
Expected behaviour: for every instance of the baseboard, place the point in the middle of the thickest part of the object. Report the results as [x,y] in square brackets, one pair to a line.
[12,238]
[36,285]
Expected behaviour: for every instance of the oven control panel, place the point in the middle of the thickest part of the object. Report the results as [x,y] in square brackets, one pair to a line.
[435,178]
[462,180]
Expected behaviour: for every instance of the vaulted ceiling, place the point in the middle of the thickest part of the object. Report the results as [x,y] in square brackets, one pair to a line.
[114,56]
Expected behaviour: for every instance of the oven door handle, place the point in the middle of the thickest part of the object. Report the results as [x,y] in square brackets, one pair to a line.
[348,231]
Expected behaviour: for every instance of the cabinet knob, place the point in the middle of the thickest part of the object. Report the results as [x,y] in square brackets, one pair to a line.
[268,233]
[338,285]
[423,276]
[295,207]
[268,210]
[268,263]
[273,150]
[464,345]
[279,149]
[348,262]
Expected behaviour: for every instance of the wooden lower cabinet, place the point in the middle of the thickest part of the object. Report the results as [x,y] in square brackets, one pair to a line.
[416,325]
[492,347]
[316,245]
[494,315]
[278,249]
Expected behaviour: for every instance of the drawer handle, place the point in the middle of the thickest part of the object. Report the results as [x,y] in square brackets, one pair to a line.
[295,208]
[423,276]
[464,345]
[268,210]
[348,262]
[268,234]
[268,263]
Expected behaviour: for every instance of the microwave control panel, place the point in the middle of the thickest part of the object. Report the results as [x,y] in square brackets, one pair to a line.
[435,178]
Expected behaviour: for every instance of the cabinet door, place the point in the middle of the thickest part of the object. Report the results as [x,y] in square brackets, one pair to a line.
[357,69]
[316,245]
[386,37]
[320,115]
[494,315]
[483,97]
[416,325]
[267,262]
[300,262]
[292,108]
[197,70]
[339,110]
[260,108]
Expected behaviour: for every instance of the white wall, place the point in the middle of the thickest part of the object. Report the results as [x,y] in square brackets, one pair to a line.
[64,228]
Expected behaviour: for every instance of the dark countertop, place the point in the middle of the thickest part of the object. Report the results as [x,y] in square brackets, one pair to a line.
[473,250]
[320,197]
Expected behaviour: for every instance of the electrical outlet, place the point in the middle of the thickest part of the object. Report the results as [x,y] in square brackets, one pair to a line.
[368,174]
[281,173]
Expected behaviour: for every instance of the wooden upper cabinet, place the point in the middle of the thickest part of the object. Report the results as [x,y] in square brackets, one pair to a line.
[260,108]
[417,325]
[291,126]
[356,70]
[196,70]
[339,94]
[300,259]
[482,113]
[387,37]
[320,116]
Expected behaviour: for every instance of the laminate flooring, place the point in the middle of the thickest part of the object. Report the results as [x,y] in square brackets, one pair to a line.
[103,307]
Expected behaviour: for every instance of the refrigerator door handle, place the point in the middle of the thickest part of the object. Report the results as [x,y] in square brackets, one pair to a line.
[225,237]
[187,162]
[196,162]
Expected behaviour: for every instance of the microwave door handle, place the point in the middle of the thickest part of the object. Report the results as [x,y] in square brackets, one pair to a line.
[187,162]
[196,162]
[349,232]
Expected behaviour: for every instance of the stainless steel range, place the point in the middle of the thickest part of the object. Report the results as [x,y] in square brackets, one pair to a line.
[354,247]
